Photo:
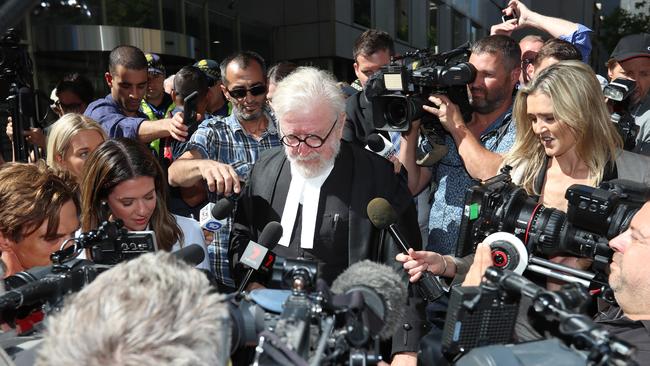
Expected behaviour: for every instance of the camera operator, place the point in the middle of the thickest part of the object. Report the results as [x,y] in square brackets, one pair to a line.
[521,17]
[629,279]
[39,211]
[152,310]
[632,54]
[119,112]
[318,187]
[472,147]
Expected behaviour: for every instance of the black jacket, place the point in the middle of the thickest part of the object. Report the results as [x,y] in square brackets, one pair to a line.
[371,176]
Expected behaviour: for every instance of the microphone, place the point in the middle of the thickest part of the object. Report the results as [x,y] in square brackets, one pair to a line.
[380,145]
[192,254]
[213,215]
[383,291]
[383,216]
[256,255]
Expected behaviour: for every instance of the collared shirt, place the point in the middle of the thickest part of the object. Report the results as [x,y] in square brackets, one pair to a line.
[453,180]
[223,139]
[581,39]
[635,332]
[113,119]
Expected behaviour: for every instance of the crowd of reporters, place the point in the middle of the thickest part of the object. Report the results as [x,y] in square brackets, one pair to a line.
[286,146]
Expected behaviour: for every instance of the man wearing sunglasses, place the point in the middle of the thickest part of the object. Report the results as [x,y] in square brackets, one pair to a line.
[223,149]
[318,187]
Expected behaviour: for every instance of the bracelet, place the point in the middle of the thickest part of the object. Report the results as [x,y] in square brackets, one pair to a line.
[444,270]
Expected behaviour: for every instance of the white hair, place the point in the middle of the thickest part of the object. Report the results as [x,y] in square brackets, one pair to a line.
[153,310]
[307,86]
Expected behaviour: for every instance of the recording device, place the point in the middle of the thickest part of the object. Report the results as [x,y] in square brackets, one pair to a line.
[189,113]
[27,108]
[256,255]
[618,93]
[380,145]
[383,216]
[399,90]
[473,319]
[505,18]
[213,216]
[319,326]
[110,244]
[594,216]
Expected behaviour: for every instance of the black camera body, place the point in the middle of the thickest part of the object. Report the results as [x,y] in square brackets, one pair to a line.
[399,90]
[594,216]
[618,93]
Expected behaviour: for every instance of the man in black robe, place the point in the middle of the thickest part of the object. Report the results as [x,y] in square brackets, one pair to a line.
[318,187]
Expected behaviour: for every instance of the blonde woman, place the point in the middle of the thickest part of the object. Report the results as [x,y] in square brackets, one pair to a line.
[71,140]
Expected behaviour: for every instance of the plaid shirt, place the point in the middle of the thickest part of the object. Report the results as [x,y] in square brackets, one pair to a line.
[223,139]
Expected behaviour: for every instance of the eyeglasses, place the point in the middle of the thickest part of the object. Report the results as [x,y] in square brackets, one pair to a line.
[312,141]
[72,107]
[239,93]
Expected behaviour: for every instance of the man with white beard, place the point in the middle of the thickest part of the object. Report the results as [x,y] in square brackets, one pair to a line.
[318,187]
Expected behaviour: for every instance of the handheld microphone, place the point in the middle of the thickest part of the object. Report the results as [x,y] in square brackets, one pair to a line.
[383,291]
[213,215]
[383,216]
[256,255]
[380,145]
[192,254]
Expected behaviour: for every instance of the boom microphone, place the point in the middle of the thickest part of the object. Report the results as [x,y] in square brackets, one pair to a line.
[383,292]
[383,216]
[255,255]
[192,254]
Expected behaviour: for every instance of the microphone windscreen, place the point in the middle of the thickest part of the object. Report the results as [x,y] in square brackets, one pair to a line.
[192,254]
[222,209]
[270,235]
[383,290]
[375,143]
[381,213]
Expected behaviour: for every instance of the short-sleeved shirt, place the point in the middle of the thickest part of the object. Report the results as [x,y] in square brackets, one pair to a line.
[223,139]
[453,181]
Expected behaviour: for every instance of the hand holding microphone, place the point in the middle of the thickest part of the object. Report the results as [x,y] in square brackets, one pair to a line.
[383,216]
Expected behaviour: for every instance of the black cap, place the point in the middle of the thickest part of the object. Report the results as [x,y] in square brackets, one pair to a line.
[634,45]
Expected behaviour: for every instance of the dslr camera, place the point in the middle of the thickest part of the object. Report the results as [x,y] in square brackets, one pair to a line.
[618,93]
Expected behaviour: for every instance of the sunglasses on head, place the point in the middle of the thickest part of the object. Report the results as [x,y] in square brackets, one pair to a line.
[239,93]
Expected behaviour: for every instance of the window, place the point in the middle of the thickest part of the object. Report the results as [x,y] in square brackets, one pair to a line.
[172,15]
[459,35]
[129,13]
[193,20]
[432,33]
[402,20]
[474,32]
[361,12]
[54,13]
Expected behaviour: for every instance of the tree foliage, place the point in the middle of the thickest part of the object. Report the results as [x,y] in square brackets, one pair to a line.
[621,23]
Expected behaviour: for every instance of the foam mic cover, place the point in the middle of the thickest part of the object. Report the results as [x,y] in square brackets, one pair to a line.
[222,209]
[192,254]
[380,145]
[383,291]
[271,235]
[381,213]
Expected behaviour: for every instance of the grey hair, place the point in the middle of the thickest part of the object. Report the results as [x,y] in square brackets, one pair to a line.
[307,86]
[153,310]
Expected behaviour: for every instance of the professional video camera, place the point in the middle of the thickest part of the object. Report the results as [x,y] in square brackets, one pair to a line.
[108,245]
[27,108]
[486,315]
[308,324]
[618,93]
[399,90]
[594,216]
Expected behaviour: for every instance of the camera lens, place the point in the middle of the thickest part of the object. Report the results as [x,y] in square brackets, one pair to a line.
[396,111]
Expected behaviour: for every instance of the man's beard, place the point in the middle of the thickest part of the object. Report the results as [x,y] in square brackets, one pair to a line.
[491,101]
[312,164]
[246,117]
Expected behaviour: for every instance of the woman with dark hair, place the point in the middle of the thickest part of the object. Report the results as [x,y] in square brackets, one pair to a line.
[122,180]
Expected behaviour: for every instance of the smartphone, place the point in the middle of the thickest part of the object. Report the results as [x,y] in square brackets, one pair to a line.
[189,113]
[505,18]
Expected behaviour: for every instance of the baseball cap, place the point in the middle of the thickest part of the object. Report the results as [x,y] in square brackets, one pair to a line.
[154,64]
[634,45]
[210,68]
